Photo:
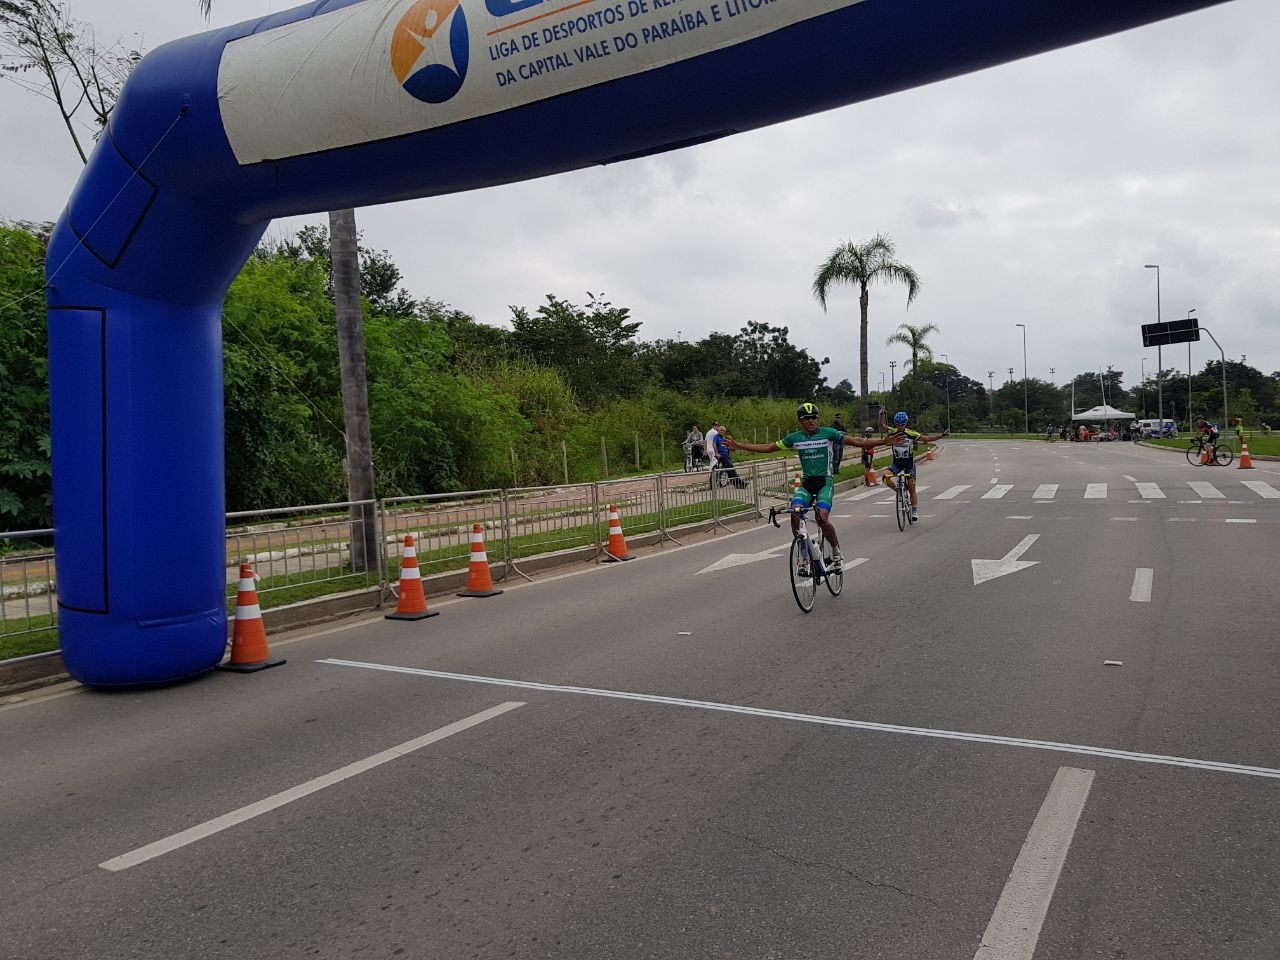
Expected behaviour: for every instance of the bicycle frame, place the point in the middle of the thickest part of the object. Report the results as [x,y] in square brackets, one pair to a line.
[802,532]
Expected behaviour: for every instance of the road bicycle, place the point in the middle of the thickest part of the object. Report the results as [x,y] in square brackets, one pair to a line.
[1219,453]
[809,560]
[902,502]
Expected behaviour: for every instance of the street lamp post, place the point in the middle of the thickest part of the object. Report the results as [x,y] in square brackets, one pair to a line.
[948,360]
[1189,313]
[991,403]
[1026,406]
[893,384]
[1159,356]
[882,381]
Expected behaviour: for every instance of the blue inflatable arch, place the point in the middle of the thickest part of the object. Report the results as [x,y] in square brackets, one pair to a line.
[346,103]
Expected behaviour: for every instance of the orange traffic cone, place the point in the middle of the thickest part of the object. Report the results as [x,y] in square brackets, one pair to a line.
[1246,462]
[617,549]
[871,478]
[795,484]
[1204,457]
[929,455]
[413,602]
[479,583]
[249,640]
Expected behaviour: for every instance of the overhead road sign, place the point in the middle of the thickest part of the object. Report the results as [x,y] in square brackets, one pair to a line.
[1172,331]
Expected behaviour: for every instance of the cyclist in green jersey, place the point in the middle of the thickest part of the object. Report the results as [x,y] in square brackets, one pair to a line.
[815,446]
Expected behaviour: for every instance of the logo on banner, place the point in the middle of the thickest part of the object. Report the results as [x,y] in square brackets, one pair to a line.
[430,49]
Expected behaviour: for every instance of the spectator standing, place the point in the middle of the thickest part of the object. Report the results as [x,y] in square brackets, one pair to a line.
[837,453]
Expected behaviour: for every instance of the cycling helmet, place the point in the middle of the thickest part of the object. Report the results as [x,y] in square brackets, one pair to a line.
[806,410]
[900,418]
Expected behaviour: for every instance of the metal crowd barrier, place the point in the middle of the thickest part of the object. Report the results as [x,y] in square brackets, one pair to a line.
[316,550]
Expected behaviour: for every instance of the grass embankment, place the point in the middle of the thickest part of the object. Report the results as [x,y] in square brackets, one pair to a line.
[1259,445]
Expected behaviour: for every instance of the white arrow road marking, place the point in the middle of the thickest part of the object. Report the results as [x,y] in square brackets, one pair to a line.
[738,559]
[1141,590]
[984,570]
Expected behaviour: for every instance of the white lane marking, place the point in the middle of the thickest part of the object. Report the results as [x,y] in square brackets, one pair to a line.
[1095,491]
[1015,926]
[951,492]
[862,496]
[1206,491]
[1046,491]
[996,492]
[1131,479]
[883,502]
[227,820]
[1215,766]
[1018,518]
[1182,519]
[1150,491]
[1191,501]
[994,479]
[855,562]
[1141,590]
[1124,518]
[841,516]
[1262,489]
[1239,521]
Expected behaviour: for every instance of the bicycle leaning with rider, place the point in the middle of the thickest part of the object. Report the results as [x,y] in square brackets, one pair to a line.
[815,446]
[904,463]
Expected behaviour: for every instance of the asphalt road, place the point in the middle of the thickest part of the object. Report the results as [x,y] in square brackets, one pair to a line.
[924,767]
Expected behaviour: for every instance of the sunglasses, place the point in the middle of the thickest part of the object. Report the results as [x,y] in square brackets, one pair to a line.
[813,416]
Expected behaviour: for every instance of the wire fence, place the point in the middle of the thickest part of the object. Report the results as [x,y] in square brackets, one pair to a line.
[314,551]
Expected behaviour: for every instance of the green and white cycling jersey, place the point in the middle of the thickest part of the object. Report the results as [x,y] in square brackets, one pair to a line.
[814,449]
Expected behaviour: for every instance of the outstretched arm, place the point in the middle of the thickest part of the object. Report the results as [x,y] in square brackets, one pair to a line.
[751,447]
[870,442]
[934,438]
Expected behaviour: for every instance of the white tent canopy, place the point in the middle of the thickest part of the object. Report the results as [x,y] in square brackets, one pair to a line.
[1104,412]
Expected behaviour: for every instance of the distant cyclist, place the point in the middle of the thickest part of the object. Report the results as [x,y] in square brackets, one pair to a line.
[904,457]
[815,446]
[1209,430]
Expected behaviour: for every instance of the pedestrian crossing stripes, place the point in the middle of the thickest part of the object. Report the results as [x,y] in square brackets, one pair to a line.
[1147,491]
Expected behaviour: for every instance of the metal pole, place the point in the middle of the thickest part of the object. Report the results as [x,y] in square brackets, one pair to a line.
[1026,406]
[514,482]
[948,360]
[564,456]
[637,438]
[1189,313]
[1144,386]
[991,400]
[1159,354]
[1224,376]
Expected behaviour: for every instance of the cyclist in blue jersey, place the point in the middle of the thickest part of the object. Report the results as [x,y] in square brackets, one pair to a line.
[815,446]
[904,457]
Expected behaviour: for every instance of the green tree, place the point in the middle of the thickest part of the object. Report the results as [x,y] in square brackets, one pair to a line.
[593,346]
[861,265]
[914,338]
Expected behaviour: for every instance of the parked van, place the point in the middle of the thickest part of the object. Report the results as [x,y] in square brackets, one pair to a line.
[1151,428]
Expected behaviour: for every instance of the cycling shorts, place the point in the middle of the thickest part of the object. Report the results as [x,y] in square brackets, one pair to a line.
[903,466]
[810,491]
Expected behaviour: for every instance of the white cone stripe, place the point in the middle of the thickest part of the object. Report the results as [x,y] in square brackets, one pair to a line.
[410,552]
[480,557]
[248,611]
[477,538]
[248,583]
[410,573]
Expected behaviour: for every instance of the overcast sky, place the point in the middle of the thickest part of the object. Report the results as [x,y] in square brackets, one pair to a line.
[1029,193]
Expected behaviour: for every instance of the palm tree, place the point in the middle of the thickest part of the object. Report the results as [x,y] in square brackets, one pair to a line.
[914,338]
[862,264]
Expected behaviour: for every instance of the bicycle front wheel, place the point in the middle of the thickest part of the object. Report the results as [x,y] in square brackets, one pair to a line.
[904,504]
[1223,454]
[834,578]
[1193,454]
[803,582]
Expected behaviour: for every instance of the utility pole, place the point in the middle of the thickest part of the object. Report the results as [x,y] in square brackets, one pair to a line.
[1159,354]
[991,389]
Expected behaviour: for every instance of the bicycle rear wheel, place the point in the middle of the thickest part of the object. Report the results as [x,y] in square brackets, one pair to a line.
[834,578]
[803,583]
[904,503]
[1223,454]
[1193,454]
